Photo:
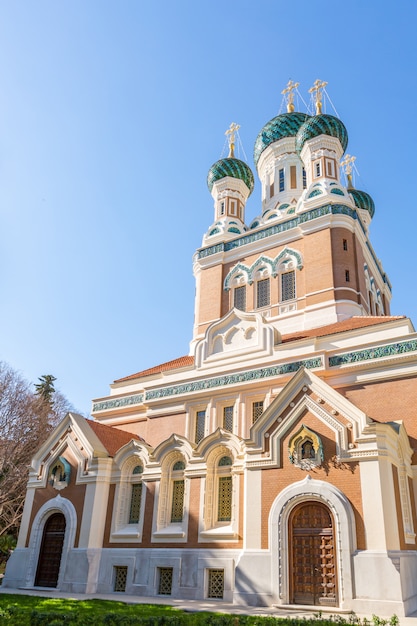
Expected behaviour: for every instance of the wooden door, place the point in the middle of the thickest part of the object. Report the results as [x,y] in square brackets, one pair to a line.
[312,551]
[51,551]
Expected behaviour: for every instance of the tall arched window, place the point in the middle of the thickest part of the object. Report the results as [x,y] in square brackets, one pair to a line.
[220,497]
[129,501]
[170,515]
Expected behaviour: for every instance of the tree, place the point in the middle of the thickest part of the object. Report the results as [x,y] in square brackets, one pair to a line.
[26,419]
[45,388]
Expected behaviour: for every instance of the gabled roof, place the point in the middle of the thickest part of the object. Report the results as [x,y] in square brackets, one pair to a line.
[112,438]
[182,361]
[353,323]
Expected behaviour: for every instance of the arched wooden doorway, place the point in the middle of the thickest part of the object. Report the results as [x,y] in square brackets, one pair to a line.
[312,550]
[51,551]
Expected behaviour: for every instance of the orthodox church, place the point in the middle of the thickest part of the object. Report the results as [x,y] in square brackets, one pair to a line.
[275,464]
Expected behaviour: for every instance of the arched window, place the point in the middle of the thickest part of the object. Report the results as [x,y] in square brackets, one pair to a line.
[177,496]
[220,497]
[224,499]
[135,495]
[129,501]
[170,514]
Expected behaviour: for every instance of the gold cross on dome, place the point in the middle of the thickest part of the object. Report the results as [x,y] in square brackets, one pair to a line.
[316,90]
[346,164]
[231,132]
[289,93]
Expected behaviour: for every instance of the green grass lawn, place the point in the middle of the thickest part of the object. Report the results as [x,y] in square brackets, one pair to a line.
[20,610]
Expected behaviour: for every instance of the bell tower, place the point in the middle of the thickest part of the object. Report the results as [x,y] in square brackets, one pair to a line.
[306,260]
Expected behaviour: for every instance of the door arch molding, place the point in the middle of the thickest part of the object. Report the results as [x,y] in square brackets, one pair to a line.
[345,534]
[56,505]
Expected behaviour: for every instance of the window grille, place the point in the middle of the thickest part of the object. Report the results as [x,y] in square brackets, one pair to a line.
[177,507]
[262,293]
[224,461]
[287,286]
[135,501]
[120,577]
[228,418]
[200,426]
[215,583]
[257,410]
[224,511]
[239,298]
[281,180]
[179,465]
[138,469]
[165,581]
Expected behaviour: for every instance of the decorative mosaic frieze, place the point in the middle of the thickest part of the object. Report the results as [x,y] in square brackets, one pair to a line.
[391,349]
[117,403]
[327,209]
[233,379]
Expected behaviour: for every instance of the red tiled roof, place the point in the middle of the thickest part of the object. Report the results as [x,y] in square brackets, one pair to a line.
[182,361]
[352,323]
[112,438]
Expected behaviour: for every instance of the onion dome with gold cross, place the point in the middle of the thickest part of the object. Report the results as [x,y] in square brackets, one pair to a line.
[230,182]
[321,124]
[361,199]
[282,126]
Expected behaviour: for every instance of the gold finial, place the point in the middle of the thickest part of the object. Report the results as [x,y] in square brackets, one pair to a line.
[289,93]
[316,90]
[231,132]
[346,164]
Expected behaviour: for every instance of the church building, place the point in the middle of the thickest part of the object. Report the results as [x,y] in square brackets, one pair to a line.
[276,462]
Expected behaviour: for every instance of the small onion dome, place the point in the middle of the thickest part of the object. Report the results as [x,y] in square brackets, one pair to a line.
[363,200]
[230,167]
[321,125]
[285,125]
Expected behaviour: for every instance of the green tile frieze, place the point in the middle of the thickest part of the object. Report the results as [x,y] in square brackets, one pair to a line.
[210,383]
[391,349]
[117,403]
[327,209]
[232,379]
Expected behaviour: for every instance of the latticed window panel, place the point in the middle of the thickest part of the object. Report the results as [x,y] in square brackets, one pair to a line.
[257,410]
[215,583]
[135,502]
[165,581]
[200,424]
[262,293]
[228,418]
[177,507]
[120,577]
[137,470]
[287,286]
[224,512]
[239,298]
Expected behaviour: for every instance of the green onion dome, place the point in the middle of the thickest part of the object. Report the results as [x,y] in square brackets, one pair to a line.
[321,125]
[285,125]
[230,167]
[363,200]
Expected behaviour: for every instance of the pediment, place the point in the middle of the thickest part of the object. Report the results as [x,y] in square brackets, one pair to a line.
[306,392]
[235,337]
[72,433]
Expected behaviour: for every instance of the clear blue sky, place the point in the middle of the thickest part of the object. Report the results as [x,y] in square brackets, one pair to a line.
[112,112]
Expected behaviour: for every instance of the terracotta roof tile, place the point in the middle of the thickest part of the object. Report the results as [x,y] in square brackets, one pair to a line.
[352,323]
[112,438]
[182,361]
